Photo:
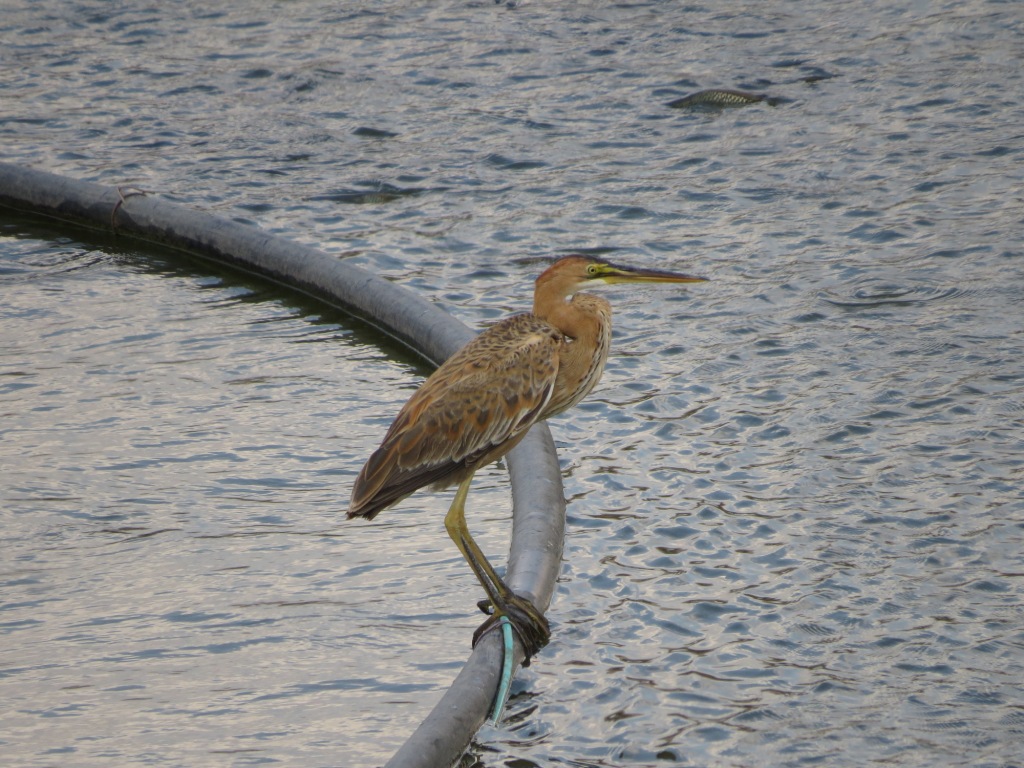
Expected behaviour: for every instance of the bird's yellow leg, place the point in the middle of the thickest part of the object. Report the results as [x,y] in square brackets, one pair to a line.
[455,524]
[528,622]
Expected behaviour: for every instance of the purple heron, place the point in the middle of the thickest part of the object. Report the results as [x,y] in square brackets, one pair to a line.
[480,403]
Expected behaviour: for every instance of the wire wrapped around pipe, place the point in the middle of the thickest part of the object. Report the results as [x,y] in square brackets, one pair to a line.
[538,517]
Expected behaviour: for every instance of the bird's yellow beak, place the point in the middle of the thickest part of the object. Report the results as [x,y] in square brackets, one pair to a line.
[611,274]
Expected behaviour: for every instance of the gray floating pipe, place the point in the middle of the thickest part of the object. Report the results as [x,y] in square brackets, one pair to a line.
[538,505]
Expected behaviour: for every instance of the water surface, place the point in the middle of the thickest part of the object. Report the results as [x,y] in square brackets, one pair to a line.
[796,522]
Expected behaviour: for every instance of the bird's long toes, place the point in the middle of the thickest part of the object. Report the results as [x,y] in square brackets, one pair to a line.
[529,624]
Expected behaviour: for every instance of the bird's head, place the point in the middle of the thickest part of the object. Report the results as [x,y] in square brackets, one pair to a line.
[574,273]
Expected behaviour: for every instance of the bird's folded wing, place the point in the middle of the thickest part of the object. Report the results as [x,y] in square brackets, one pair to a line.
[470,411]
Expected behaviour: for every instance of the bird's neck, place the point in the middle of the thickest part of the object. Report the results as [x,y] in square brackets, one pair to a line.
[555,306]
[585,323]
[577,317]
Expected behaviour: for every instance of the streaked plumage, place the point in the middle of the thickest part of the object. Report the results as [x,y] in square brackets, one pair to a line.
[480,403]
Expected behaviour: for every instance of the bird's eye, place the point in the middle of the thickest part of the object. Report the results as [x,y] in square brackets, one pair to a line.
[592,270]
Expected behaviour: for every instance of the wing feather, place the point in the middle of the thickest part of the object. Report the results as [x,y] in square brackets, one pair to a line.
[471,411]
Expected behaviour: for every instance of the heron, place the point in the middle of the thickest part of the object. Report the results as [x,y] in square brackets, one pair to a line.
[481,402]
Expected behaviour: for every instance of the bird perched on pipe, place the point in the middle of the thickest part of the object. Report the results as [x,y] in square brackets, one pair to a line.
[480,403]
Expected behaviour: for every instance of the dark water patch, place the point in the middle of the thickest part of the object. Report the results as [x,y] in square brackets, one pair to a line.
[259,207]
[629,212]
[997,151]
[813,74]
[190,617]
[862,213]
[955,253]
[890,295]
[871,233]
[132,534]
[373,193]
[750,35]
[698,138]
[761,194]
[505,163]
[941,670]
[928,104]
[198,88]
[373,133]
[788,63]
[43,263]
[810,317]
[243,24]
[619,144]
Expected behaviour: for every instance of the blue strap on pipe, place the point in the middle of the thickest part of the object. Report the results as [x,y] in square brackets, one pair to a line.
[505,686]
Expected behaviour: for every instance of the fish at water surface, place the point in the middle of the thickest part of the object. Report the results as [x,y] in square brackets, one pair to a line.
[720,97]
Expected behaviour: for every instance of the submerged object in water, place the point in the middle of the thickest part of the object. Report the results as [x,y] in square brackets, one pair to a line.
[718,98]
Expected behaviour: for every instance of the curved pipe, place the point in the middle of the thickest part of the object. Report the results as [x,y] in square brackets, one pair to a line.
[538,505]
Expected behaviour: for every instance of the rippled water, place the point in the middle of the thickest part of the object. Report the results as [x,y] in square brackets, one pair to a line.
[796,523]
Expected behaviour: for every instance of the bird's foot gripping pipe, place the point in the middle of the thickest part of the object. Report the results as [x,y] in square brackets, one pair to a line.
[529,624]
